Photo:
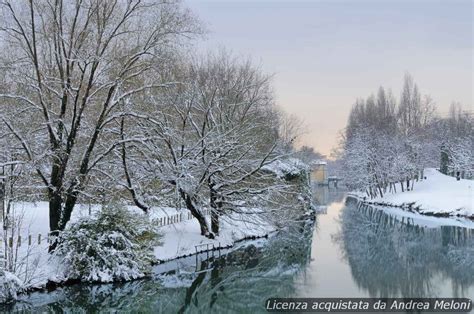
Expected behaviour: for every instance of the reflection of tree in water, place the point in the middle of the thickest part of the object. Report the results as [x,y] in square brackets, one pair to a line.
[244,279]
[88,298]
[240,281]
[389,258]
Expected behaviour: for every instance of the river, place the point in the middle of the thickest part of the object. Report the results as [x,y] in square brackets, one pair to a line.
[349,251]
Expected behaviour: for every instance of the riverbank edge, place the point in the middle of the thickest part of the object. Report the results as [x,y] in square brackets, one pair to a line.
[51,285]
[410,208]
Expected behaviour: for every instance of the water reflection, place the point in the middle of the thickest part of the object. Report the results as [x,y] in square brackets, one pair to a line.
[238,282]
[363,252]
[241,281]
[324,195]
[390,258]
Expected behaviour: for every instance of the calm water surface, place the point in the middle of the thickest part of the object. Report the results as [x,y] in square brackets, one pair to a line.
[349,251]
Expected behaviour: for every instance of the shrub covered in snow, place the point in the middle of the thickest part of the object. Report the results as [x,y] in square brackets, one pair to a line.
[114,245]
[288,169]
[296,175]
[293,197]
[9,286]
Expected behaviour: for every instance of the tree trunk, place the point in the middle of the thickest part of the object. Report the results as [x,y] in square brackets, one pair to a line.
[196,214]
[55,198]
[55,203]
[130,187]
[68,207]
[215,222]
[216,209]
[444,160]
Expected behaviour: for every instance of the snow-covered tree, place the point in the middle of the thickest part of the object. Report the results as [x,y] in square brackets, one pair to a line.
[385,144]
[308,155]
[207,139]
[70,64]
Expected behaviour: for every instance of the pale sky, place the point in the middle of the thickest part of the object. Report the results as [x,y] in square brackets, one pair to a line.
[325,54]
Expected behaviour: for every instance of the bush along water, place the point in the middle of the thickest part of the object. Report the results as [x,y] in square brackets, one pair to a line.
[113,245]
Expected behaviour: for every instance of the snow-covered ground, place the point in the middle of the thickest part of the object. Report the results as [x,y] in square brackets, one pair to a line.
[179,239]
[437,195]
[425,221]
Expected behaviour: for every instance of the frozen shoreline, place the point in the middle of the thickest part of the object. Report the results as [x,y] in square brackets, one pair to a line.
[184,239]
[178,240]
[437,196]
[416,218]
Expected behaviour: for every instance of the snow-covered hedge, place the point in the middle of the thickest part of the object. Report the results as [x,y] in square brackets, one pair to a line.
[9,286]
[287,168]
[114,245]
[296,176]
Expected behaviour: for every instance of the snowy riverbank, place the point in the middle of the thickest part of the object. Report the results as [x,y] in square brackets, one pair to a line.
[184,238]
[439,195]
[178,239]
